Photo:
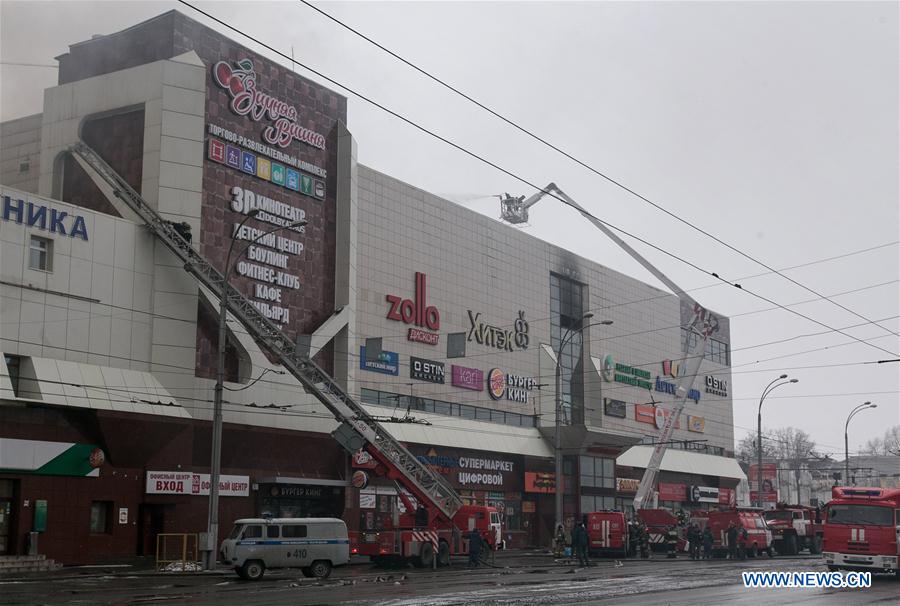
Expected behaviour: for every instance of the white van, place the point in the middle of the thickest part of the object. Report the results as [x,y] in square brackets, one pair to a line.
[314,545]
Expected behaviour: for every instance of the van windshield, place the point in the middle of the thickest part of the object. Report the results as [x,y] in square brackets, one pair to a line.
[872,515]
[236,531]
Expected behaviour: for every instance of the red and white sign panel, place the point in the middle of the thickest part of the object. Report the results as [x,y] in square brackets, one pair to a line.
[767,497]
[189,483]
[672,492]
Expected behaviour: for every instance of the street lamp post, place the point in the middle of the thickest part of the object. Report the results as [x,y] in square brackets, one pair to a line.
[212,520]
[558,445]
[859,408]
[769,389]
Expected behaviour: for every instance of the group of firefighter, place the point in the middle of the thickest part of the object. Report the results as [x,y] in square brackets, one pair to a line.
[699,542]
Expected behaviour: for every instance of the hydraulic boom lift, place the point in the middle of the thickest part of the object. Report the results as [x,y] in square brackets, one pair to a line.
[703,324]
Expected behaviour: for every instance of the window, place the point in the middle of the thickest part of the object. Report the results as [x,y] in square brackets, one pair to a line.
[101,516]
[566,313]
[272,532]
[872,515]
[716,351]
[14,365]
[252,531]
[294,531]
[597,472]
[591,503]
[40,254]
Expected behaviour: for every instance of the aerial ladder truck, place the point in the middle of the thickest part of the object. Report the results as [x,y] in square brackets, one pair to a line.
[702,325]
[424,542]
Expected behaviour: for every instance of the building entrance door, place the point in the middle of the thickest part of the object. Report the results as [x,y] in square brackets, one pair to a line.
[152,523]
[7,533]
[5,526]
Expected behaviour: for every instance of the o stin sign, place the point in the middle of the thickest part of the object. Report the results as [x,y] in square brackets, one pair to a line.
[247,100]
[416,311]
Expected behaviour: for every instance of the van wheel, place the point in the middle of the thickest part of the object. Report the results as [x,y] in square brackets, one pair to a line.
[321,569]
[253,570]
[443,554]
[240,572]
[753,551]
[306,572]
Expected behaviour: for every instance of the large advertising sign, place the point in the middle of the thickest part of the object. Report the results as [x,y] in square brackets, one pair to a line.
[769,485]
[473,470]
[271,148]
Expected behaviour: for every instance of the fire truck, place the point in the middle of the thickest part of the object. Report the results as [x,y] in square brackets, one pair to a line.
[607,533]
[439,528]
[795,527]
[759,537]
[862,529]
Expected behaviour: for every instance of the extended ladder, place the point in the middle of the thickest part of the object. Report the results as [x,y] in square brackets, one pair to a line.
[358,429]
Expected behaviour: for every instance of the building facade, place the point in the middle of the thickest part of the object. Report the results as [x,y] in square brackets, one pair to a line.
[109,345]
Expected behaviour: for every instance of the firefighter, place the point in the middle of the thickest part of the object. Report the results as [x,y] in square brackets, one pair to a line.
[732,535]
[671,542]
[743,540]
[707,543]
[580,541]
[474,547]
[693,537]
[644,540]
[559,541]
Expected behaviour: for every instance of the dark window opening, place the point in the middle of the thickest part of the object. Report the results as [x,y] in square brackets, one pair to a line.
[101,517]
[14,367]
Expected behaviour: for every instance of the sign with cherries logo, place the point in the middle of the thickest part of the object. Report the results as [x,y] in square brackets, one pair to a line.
[247,100]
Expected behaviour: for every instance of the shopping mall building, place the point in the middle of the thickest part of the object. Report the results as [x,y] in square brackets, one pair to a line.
[109,344]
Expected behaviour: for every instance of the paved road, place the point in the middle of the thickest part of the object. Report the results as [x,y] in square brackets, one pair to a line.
[520,580]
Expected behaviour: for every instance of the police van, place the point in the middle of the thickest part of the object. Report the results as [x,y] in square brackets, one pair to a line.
[314,545]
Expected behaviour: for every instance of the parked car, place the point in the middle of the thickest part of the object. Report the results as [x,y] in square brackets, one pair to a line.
[314,545]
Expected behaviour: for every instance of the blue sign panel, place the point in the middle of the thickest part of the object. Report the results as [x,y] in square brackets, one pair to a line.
[388,363]
[248,162]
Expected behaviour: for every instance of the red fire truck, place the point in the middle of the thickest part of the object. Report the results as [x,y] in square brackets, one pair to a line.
[405,541]
[795,527]
[658,522]
[759,537]
[607,533]
[439,529]
[862,529]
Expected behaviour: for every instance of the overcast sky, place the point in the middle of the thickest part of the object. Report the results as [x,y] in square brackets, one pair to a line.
[773,126]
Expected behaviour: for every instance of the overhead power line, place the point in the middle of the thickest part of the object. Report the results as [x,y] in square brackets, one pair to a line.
[597,172]
[517,177]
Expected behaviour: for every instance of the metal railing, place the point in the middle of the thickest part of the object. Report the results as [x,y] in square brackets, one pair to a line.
[178,552]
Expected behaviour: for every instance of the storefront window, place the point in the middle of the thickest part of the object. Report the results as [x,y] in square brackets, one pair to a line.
[597,472]
[591,503]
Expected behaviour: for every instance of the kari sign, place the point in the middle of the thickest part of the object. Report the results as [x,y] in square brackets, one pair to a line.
[239,79]
[188,483]
[467,378]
